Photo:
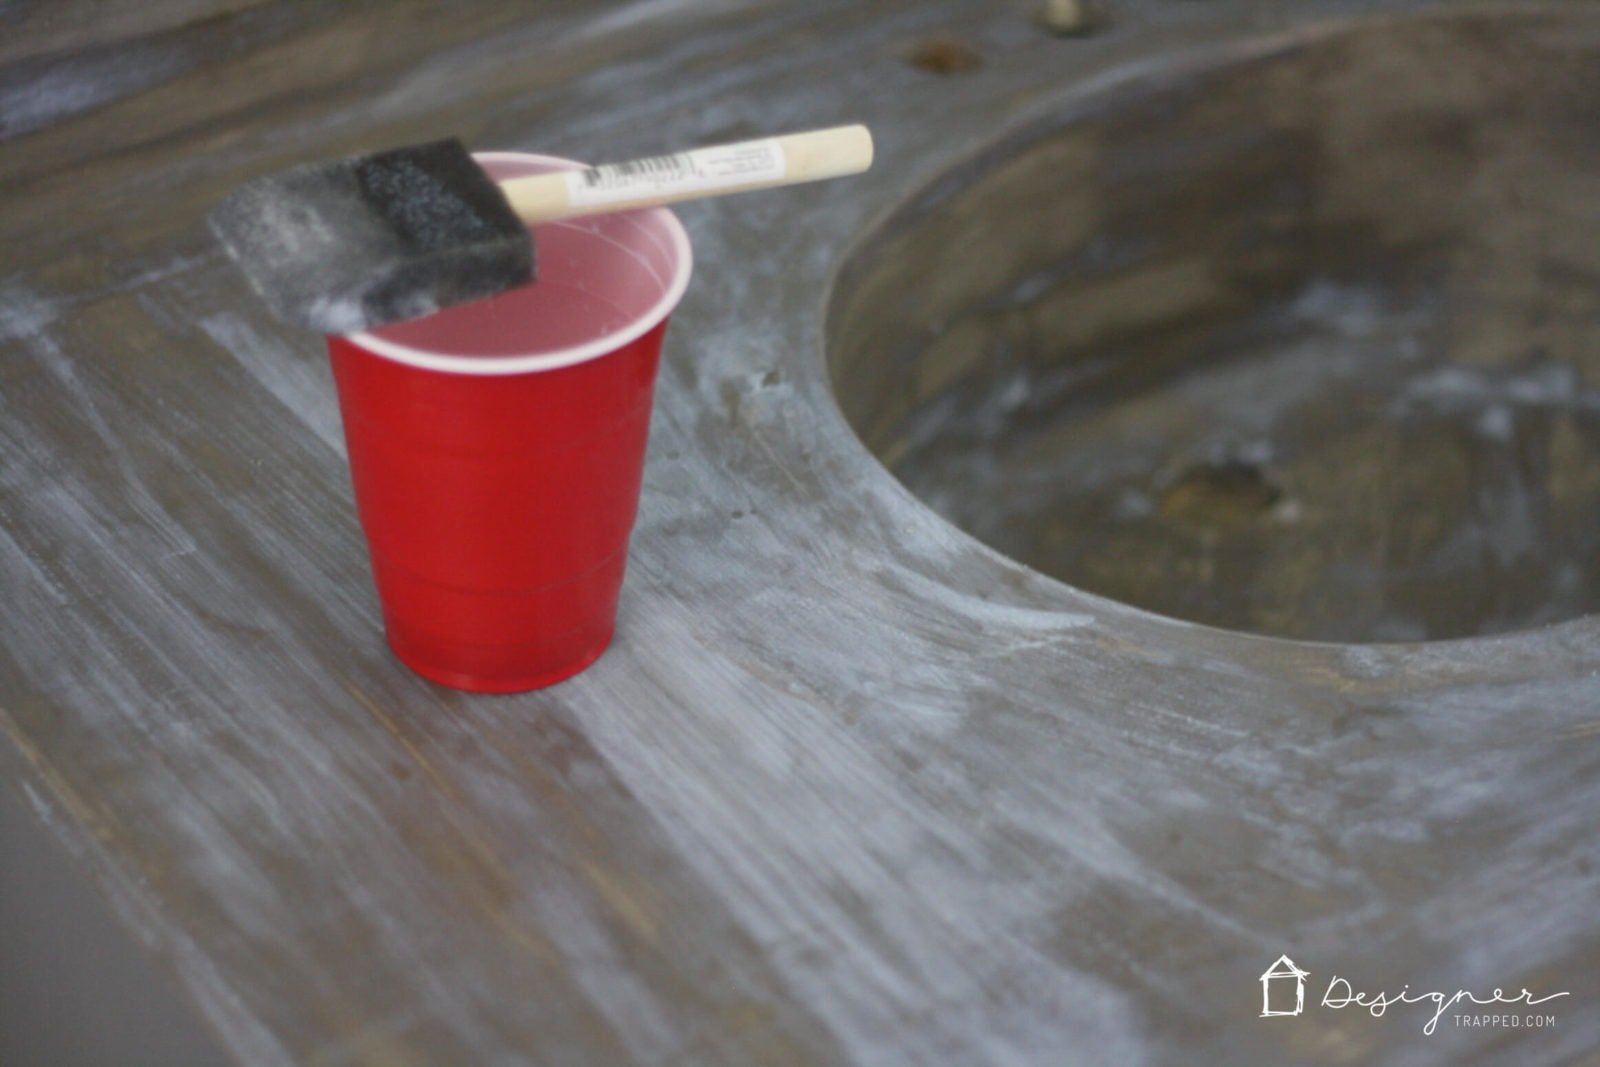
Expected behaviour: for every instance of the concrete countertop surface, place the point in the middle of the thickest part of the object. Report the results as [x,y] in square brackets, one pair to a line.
[849,786]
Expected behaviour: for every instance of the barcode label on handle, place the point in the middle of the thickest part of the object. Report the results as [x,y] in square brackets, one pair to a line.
[677,175]
[655,169]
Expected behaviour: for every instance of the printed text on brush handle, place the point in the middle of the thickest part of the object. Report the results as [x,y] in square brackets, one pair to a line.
[681,174]
[701,172]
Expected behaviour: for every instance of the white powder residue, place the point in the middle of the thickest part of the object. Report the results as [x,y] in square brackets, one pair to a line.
[301,384]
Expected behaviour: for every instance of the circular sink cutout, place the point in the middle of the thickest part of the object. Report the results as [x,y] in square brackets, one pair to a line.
[1303,340]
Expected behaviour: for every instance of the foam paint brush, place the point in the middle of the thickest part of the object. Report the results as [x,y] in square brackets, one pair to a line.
[356,243]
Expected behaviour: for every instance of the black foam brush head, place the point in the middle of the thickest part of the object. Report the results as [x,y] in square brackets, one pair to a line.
[357,243]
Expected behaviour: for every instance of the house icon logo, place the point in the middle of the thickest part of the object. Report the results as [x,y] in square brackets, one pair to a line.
[1276,984]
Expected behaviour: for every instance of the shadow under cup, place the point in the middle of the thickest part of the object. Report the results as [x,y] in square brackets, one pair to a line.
[496,450]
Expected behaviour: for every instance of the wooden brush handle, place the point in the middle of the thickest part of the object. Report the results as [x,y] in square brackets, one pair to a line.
[701,172]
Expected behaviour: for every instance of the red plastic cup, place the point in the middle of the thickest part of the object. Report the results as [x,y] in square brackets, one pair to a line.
[496,450]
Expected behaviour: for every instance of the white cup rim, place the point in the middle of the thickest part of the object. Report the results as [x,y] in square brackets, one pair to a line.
[561,357]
